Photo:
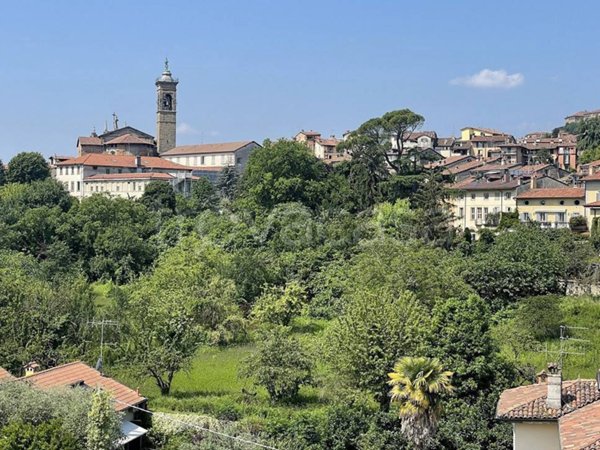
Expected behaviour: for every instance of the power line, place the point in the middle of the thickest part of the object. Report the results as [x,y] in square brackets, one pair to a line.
[218,433]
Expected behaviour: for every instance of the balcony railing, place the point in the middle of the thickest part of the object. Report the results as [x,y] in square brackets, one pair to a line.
[554,224]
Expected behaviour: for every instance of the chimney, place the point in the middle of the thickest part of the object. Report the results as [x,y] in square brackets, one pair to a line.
[554,399]
[532,181]
[138,162]
[31,368]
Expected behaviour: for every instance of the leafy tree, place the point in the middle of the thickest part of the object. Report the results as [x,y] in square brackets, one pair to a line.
[280,365]
[589,155]
[374,331]
[159,196]
[44,436]
[588,134]
[280,305]
[2,174]
[385,136]
[227,183]
[282,172]
[26,167]
[104,426]
[204,197]
[396,219]
[185,302]
[418,385]
[434,215]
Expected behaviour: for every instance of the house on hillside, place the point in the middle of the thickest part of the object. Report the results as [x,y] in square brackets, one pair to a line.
[553,414]
[77,374]
[209,160]
[551,207]
[119,175]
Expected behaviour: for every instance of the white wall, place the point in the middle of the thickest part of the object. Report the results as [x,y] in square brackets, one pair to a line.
[536,436]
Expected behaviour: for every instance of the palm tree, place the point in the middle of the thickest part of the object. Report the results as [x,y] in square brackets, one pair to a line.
[418,384]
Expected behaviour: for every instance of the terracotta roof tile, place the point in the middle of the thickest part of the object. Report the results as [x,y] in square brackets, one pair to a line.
[491,167]
[581,429]
[129,139]
[485,130]
[126,161]
[592,177]
[499,185]
[553,193]
[222,147]
[529,402]
[89,140]
[464,167]
[130,176]
[74,372]
[5,374]
[447,161]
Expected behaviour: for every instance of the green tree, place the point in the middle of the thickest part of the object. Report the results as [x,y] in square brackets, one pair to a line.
[44,436]
[418,386]
[434,215]
[588,134]
[2,174]
[103,426]
[280,365]
[375,329]
[589,155]
[227,183]
[159,196]
[185,302]
[204,196]
[396,219]
[282,172]
[26,167]
[280,305]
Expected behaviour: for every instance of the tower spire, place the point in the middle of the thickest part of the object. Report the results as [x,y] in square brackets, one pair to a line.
[167,65]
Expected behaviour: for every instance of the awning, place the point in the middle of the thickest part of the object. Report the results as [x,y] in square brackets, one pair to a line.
[130,432]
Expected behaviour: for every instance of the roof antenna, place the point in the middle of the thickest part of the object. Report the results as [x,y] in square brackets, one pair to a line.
[102,323]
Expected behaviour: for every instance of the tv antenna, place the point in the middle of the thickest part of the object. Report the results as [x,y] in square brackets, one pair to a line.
[564,347]
[102,324]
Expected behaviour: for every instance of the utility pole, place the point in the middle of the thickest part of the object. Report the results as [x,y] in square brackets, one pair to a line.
[102,324]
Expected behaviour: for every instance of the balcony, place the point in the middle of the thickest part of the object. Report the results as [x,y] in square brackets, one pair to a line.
[554,224]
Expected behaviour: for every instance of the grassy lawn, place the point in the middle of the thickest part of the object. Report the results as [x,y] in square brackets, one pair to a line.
[581,312]
[211,384]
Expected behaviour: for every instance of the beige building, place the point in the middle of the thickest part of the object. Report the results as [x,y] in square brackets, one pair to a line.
[551,207]
[119,175]
[553,414]
[323,148]
[582,115]
[208,160]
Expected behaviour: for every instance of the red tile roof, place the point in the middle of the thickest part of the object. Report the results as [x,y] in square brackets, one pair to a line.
[529,402]
[130,176]
[498,138]
[89,140]
[5,375]
[129,139]
[553,193]
[464,167]
[593,204]
[492,167]
[208,168]
[329,142]
[310,133]
[74,372]
[485,130]
[581,429]
[126,161]
[222,147]
[499,185]
[447,161]
[592,177]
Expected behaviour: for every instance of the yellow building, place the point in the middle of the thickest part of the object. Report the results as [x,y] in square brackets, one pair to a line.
[468,133]
[592,197]
[476,200]
[551,207]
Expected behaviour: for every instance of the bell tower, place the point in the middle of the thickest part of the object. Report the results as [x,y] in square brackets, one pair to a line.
[166,110]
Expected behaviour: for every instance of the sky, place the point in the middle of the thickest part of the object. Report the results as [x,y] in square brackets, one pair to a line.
[257,69]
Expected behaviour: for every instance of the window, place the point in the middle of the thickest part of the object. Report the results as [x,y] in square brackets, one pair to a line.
[60,170]
[120,171]
[560,217]
[461,212]
[78,186]
[134,185]
[508,209]
[107,171]
[526,217]
[472,213]
[118,188]
[497,195]
[577,202]
[479,212]
[72,170]
[473,196]
[72,186]
[486,195]
[496,210]
[202,160]
[507,195]
[485,213]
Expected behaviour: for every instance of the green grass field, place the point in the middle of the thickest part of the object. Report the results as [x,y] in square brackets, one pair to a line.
[211,384]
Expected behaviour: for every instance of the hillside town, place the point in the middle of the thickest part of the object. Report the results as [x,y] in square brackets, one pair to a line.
[314,226]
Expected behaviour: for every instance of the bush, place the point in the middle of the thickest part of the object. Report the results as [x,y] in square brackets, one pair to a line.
[578,223]
[279,306]
[541,315]
[280,365]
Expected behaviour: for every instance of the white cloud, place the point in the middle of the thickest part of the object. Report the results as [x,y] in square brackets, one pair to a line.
[491,79]
[186,128]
